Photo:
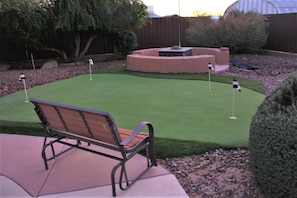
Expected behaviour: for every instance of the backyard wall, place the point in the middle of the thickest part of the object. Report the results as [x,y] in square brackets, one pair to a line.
[163,32]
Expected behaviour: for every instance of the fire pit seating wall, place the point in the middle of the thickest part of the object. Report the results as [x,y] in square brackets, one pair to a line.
[148,60]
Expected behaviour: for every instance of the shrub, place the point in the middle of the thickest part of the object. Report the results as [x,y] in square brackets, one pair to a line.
[273,141]
[127,42]
[241,32]
[201,32]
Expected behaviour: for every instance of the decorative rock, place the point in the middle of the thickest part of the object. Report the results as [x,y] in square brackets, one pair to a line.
[4,67]
[50,64]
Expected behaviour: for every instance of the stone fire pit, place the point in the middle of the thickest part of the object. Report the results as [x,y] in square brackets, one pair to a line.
[166,60]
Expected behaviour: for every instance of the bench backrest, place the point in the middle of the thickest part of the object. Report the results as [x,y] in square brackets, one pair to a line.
[94,124]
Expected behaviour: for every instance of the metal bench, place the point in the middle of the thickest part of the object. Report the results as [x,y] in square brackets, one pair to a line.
[63,122]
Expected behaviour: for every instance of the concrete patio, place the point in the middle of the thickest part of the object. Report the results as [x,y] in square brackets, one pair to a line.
[74,174]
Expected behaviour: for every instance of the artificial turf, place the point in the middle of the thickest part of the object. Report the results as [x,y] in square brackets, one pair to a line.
[179,109]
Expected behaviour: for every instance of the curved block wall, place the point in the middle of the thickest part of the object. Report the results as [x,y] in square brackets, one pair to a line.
[148,60]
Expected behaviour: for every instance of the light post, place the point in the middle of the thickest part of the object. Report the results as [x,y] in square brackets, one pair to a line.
[232,117]
[236,86]
[23,79]
[210,67]
[91,63]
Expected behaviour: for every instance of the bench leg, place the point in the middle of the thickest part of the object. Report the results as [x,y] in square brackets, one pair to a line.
[123,172]
[151,161]
[152,153]
[114,194]
[54,155]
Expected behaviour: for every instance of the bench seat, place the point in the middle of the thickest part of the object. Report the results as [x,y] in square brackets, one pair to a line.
[62,122]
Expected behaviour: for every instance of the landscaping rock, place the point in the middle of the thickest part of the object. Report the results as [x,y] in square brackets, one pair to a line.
[4,67]
[50,64]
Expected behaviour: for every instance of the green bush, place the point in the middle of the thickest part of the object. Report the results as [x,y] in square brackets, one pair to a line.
[202,32]
[241,32]
[126,43]
[273,141]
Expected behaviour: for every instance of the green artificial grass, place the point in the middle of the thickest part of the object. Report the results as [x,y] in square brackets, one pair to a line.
[180,110]
[250,84]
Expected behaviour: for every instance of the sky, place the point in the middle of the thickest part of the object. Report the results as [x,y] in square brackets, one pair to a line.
[187,7]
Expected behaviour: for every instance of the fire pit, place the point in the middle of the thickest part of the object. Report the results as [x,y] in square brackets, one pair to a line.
[168,60]
[176,51]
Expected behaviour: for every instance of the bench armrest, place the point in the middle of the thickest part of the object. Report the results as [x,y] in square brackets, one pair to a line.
[137,130]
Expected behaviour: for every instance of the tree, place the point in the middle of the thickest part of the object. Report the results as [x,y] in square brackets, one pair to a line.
[241,32]
[66,27]
[20,24]
[82,20]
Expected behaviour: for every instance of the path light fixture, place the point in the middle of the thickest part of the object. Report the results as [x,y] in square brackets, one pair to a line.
[210,67]
[23,79]
[91,63]
[235,85]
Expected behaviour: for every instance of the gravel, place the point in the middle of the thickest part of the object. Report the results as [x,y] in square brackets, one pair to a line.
[272,70]
[10,79]
[220,173]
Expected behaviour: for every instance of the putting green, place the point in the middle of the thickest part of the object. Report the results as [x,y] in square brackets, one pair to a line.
[180,109]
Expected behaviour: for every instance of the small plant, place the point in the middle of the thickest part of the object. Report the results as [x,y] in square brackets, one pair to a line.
[273,141]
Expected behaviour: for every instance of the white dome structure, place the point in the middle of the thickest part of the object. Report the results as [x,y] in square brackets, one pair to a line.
[264,6]
[151,12]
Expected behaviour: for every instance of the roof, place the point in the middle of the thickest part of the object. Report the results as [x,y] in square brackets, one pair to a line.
[264,6]
[285,6]
[151,12]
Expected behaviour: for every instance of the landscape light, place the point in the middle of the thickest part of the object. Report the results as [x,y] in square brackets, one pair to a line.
[23,79]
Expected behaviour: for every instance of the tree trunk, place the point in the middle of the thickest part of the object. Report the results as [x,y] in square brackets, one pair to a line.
[77,45]
[77,54]
[62,53]
[115,47]
[87,46]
